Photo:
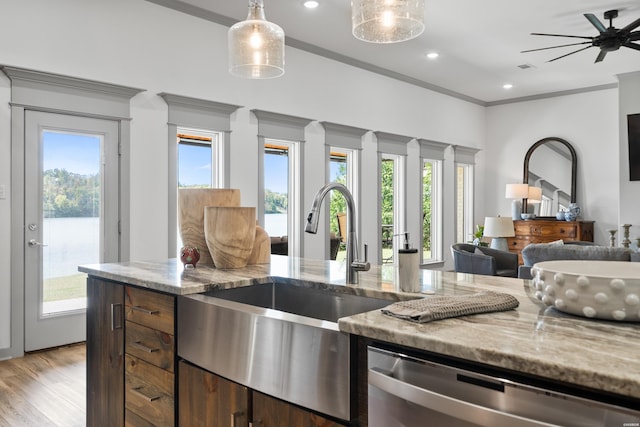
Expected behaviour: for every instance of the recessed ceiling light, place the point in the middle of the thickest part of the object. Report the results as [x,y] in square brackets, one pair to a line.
[507,86]
[432,55]
[311,4]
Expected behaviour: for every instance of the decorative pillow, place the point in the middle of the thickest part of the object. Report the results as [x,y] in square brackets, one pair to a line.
[556,243]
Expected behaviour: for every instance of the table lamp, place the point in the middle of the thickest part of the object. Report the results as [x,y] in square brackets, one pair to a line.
[534,197]
[517,192]
[499,228]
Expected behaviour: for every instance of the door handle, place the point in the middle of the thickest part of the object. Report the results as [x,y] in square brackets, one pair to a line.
[33,243]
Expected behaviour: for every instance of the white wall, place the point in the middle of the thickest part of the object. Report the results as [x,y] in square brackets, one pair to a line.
[139,44]
[5,211]
[629,190]
[589,121]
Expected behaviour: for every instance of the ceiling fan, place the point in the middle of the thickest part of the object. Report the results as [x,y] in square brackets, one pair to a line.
[608,40]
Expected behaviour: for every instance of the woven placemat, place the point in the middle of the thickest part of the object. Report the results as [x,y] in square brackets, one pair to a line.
[445,306]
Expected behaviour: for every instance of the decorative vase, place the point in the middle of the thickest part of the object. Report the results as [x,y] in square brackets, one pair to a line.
[189,255]
[574,209]
[191,204]
[560,215]
[261,253]
[570,216]
[229,233]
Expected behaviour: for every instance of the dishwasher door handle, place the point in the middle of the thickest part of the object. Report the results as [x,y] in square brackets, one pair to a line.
[451,406]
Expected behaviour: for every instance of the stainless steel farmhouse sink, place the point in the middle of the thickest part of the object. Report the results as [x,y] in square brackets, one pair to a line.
[280,338]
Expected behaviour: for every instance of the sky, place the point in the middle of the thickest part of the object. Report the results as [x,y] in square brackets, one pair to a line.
[81,154]
[74,152]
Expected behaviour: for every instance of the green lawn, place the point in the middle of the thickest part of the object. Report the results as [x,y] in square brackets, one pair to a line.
[66,287]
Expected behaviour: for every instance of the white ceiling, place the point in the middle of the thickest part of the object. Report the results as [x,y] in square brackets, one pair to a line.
[479,43]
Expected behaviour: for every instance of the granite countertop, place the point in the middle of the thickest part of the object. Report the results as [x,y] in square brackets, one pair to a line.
[533,339]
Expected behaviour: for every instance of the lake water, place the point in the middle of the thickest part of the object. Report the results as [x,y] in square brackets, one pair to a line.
[75,241]
[275,224]
[71,242]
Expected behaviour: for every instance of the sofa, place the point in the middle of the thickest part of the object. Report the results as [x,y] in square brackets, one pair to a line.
[469,258]
[538,252]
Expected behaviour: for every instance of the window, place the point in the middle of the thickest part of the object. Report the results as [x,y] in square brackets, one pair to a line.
[464,203]
[391,206]
[431,210]
[464,161]
[341,169]
[281,192]
[200,154]
[198,151]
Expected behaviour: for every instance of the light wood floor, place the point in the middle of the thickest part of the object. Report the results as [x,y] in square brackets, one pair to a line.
[45,388]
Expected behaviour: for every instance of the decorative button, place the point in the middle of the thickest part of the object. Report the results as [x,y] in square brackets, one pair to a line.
[601,298]
[582,281]
[632,300]
[617,285]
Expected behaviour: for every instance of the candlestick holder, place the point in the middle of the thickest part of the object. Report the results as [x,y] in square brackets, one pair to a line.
[626,241]
[612,237]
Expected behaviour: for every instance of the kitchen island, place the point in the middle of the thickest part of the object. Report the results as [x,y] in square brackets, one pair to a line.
[599,357]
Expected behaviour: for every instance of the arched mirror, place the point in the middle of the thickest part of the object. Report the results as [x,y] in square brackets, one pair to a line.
[551,164]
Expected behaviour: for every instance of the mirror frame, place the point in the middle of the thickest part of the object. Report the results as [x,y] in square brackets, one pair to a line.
[574,162]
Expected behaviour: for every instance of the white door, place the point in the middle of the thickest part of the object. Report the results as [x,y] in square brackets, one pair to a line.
[71,218]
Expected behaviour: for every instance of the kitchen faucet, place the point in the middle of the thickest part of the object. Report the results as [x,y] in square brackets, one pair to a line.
[353,264]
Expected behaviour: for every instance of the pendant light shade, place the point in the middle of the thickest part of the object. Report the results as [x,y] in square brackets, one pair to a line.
[387,21]
[256,46]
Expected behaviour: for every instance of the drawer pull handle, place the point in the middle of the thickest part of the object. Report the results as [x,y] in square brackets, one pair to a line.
[143,347]
[116,319]
[144,310]
[136,391]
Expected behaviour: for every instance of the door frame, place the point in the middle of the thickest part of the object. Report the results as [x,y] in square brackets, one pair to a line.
[42,91]
[64,327]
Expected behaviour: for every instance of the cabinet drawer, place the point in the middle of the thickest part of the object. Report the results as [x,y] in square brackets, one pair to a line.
[149,393]
[150,345]
[548,232]
[150,308]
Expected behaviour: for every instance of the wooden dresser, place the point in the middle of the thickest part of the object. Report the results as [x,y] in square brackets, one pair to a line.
[548,230]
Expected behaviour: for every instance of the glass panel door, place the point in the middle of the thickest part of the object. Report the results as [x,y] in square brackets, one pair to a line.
[71,214]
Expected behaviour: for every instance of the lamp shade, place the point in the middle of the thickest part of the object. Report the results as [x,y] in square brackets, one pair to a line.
[498,227]
[387,21]
[256,46]
[516,191]
[535,195]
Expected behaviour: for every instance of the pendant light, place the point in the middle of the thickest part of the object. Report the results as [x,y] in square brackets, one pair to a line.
[387,21]
[256,46]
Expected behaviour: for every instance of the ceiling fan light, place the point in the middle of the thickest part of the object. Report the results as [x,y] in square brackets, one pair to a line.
[256,46]
[387,21]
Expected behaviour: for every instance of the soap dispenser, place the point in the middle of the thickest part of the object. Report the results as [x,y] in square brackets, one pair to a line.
[408,266]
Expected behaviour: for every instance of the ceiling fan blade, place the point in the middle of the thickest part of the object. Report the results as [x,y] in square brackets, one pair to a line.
[601,56]
[570,53]
[553,47]
[595,22]
[635,24]
[561,35]
[631,45]
[634,36]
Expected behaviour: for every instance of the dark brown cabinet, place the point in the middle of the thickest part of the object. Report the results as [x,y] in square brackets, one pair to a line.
[130,356]
[270,412]
[547,230]
[105,353]
[205,399]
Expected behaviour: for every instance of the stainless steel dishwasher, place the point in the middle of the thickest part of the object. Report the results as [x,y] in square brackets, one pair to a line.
[408,391]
